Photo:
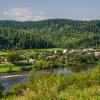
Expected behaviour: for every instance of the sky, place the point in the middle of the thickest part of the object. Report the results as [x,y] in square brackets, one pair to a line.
[24,10]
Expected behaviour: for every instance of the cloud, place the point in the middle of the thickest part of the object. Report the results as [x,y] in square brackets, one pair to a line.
[24,14]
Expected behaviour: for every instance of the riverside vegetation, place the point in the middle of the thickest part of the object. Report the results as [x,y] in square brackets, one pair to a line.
[82,86]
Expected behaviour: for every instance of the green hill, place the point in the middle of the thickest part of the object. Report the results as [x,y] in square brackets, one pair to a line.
[62,33]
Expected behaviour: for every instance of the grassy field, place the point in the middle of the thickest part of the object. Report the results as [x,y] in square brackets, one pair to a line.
[7,69]
[4,52]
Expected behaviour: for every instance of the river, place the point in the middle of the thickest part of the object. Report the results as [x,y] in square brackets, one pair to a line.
[9,79]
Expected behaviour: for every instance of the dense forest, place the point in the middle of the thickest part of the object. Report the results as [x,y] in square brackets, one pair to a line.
[50,33]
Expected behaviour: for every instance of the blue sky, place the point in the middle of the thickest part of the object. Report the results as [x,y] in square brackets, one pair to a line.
[47,9]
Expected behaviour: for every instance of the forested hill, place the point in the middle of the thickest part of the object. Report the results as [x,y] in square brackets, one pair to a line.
[49,33]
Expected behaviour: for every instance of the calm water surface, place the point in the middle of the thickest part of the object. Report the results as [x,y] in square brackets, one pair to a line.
[7,82]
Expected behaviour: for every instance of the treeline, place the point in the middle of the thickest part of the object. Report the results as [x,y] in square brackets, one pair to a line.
[49,34]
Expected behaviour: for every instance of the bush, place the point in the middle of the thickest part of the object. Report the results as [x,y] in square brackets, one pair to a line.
[17,89]
[27,68]
[22,63]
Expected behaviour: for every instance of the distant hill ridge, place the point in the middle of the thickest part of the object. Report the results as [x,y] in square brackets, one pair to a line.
[49,33]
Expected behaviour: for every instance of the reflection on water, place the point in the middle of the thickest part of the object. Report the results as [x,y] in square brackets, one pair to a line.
[79,68]
[8,82]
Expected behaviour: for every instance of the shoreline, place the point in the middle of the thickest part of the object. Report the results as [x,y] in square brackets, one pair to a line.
[10,76]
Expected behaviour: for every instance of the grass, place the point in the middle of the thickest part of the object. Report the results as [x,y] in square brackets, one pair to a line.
[4,52]
[91,93]
[50,49]
[7,69]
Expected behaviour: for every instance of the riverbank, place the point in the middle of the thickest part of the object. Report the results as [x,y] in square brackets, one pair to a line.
[84,85]
[9,79]
[11,76]
[38,72]
[10,68]
[6,70]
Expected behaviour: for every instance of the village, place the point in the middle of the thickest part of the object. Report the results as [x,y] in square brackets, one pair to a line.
[47,58]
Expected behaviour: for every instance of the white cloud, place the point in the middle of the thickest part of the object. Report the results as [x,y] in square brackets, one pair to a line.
[24,14]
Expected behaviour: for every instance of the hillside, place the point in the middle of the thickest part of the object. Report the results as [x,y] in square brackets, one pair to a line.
[51,33]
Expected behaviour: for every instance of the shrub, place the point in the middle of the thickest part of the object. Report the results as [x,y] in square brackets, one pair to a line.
[13,57]
[26,68]
[22,63]
[17,89]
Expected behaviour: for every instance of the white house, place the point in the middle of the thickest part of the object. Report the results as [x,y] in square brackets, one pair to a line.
[55,51]
[72,50]
[31,60]
[85,50]
[41,53]
[64,51]
[96,53]
[89,49]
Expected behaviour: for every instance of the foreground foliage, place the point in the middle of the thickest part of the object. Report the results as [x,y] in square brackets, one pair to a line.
[82,86]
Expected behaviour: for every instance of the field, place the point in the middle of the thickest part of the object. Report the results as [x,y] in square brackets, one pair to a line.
[4,52]
[5,70]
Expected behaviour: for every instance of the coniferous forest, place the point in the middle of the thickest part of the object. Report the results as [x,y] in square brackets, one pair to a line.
[52,33]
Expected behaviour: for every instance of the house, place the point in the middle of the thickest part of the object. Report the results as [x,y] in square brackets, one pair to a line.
[92,50]
[3,59]
[72,50]
[85,50]
[31,60]
[89,49]
[55,51]
[53,57]
[97,53]
[48,57]
[64,51]
[41,53]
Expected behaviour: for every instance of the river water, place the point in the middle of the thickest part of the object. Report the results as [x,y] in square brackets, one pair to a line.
[9,79]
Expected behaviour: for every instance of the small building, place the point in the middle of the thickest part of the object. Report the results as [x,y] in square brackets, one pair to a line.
[92,50]
[48,57]
[85,50]
[31,60]
[64,51]
[97,53]
[41,53]
[89,49]
[73,50]
[53,57]
[55,51]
